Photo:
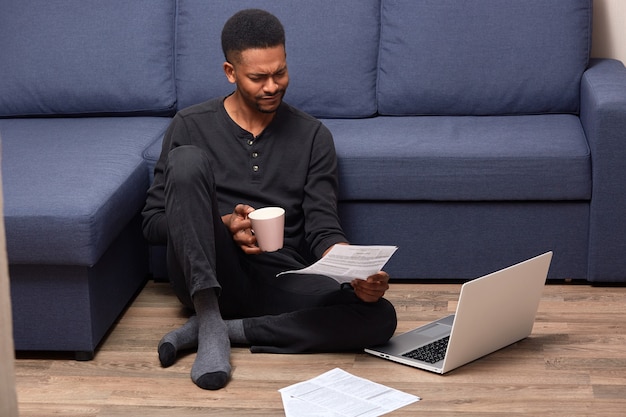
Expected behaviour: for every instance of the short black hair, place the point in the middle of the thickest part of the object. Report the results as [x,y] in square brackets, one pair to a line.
[251,29]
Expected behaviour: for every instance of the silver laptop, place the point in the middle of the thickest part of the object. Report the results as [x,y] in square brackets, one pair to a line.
[493,311]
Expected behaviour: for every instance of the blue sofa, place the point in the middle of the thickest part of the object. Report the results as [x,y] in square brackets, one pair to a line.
[470,134]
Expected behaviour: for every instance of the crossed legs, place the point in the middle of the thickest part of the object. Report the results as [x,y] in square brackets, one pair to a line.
[290,314]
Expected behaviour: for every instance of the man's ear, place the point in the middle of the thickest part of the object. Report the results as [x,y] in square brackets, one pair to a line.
[229,70]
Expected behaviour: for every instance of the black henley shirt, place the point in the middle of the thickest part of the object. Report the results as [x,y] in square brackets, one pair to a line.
[291,164]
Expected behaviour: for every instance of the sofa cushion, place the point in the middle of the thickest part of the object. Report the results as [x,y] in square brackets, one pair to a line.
[332,52]
[86,56]
[453,158]
[71,185]
[482,57]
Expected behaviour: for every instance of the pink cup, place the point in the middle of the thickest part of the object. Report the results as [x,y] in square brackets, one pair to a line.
[268,224]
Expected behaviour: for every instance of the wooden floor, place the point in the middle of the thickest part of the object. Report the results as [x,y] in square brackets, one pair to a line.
[573,364]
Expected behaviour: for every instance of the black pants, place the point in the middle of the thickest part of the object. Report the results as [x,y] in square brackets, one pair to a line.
[292,313]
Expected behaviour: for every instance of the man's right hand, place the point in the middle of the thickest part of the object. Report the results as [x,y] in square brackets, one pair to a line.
[241,229]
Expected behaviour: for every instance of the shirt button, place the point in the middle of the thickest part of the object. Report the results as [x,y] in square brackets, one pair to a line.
[250,142]
[255,154]
[255,168]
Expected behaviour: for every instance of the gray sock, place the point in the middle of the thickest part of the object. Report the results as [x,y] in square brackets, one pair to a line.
[211,369]
[236,333]
[185,337]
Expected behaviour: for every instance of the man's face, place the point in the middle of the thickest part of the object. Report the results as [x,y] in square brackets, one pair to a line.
[261,77]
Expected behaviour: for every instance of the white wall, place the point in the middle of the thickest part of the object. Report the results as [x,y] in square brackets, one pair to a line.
[609,29]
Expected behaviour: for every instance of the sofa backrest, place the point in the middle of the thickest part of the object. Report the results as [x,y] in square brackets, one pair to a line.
[348,58]
[332,52]
[86,56]
[482,57]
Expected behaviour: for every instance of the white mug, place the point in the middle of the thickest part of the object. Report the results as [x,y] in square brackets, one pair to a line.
[268,225]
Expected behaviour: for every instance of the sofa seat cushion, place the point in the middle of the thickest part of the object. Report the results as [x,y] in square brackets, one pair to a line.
[462,158]
[71,185]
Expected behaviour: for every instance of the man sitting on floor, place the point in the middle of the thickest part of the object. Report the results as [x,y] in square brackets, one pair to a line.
[220,160]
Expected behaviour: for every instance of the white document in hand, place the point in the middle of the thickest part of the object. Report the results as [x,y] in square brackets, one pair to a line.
[345,262]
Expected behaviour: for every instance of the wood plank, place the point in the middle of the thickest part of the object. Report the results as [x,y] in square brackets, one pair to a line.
[574,363]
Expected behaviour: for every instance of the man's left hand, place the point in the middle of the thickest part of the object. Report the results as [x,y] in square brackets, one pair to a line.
[373,288]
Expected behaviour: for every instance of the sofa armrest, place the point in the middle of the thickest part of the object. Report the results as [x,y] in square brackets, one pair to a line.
[603,116]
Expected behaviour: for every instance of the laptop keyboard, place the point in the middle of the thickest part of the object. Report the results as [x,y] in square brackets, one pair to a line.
[431,353]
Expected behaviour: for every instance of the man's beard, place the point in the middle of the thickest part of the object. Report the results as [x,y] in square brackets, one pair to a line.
[279,95]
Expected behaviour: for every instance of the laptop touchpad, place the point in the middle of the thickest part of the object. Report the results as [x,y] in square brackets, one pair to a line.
[436,331]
